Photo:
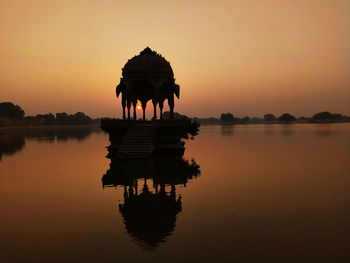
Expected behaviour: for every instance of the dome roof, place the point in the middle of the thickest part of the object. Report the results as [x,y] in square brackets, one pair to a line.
[148,62]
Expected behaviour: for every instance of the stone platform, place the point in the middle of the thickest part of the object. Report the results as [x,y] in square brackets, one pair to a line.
[134,139]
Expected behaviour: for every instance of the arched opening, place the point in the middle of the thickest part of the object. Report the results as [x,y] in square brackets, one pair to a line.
[143,91]
[138,110]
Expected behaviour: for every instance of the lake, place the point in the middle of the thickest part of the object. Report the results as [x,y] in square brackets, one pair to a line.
[256,193]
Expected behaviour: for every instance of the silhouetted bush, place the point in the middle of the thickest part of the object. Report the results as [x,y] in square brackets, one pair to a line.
[177,116]
[328,117]
[246,119]
[207,121]
[227,117]
[10,110]
[72,119]
[48,119]
[269,117]
[287,118]
[191,128]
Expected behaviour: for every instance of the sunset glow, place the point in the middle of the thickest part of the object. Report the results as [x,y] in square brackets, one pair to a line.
[244,57]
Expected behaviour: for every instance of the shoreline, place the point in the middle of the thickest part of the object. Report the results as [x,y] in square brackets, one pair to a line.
[79,126]
[49,127]
[277,123]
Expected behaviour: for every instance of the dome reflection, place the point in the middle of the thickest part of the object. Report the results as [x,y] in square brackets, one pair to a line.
[151,205]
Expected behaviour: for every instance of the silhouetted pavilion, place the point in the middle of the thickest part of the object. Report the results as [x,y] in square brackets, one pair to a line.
[147,76]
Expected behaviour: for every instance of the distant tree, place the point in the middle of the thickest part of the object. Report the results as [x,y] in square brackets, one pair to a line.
[246,119]
[10,110]
[257,120]
[325,116]
[286,117]
[72,119]
[62,118]
[302,119]
[81,118]
[227,117]
[269,117]
[177,116]
[49,119]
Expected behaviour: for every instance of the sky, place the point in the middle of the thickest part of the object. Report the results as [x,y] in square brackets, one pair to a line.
[245,57]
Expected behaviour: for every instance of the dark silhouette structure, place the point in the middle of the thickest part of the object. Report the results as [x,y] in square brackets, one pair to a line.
[149,214]
[287,118]
[149,209]
[10,110]
[147,76]
[269,117]
[327,117]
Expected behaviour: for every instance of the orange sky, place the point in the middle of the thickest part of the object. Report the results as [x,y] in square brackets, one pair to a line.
[246,57]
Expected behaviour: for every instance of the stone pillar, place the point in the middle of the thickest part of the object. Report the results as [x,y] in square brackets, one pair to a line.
[154,109]
[144,104]
[123,105]
[134,103]
[161,104]
[173,191]
[171,105]
[129,106]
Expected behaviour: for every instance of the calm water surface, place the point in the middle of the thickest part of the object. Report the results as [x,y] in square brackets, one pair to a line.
[265,193]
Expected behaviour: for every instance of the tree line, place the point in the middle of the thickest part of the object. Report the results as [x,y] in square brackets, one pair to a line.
[13,115]
[269,118]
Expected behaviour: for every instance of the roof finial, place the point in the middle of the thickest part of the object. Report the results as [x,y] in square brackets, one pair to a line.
[147,50]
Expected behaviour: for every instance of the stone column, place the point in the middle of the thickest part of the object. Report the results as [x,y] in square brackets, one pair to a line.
[154,109]
[161,104]
[171,105]
[144,104]
[129,106]
[123,105]
[134,103]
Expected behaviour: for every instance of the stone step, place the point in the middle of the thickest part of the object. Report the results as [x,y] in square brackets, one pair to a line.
[137,143]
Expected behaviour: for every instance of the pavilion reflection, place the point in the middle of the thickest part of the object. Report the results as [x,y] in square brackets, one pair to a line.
[150,204]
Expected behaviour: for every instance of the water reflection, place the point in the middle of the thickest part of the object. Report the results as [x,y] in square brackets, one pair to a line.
[150,211]
[326,130]
[13,141]
[269,130]
[288,130]
[226,130]
[10,144]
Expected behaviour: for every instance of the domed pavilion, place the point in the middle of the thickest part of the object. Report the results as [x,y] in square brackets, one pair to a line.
[147,76]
